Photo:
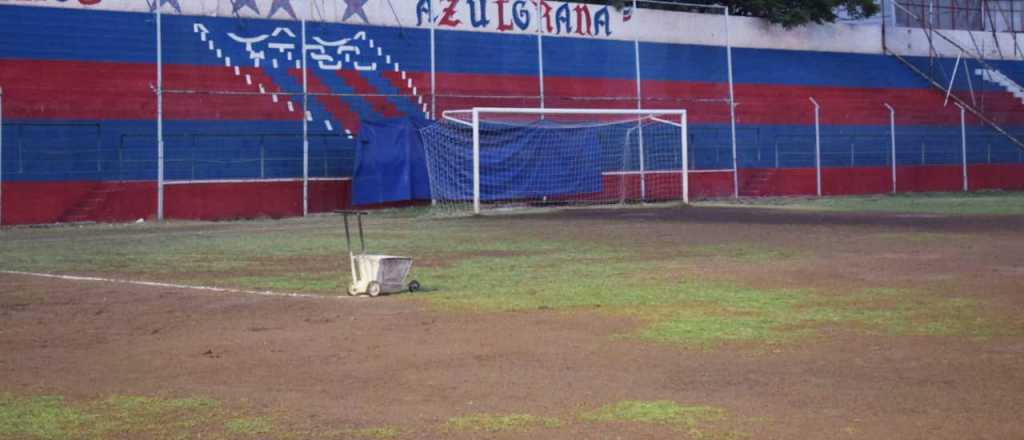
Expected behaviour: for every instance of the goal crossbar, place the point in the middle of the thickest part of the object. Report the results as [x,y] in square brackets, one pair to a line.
[568,111]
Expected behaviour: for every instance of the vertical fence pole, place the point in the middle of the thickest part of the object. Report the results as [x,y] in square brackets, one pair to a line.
[540,54]
[639,105]
[686,157]
[159,116]
[892,143]
[963,146]
[433,76]
[433,63]
[817,144]
[1,156]
[476,161]
[305,125]
[732,109]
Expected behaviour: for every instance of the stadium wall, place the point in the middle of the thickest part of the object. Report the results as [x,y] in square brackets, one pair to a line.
[79,127]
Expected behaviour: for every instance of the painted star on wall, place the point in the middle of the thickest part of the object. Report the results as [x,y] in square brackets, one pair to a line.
[237,5]
[174,4]
[355,7]
[282,4]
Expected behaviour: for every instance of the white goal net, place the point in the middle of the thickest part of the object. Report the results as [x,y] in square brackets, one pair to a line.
[485,158]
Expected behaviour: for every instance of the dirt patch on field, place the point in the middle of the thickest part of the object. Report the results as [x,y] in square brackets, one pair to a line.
[355,362]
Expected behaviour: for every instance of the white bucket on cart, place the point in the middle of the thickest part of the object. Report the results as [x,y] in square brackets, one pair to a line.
[387,271]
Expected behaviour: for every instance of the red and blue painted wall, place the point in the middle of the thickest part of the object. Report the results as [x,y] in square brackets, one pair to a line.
[79,106]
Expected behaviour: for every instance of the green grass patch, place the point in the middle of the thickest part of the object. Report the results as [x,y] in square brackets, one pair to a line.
[743,253]
[683,310]
[149,417]
[50,417]
[503,264]
[979,203]
[288,255]
[42,418]
[500,423]
[377,433]
[663,412]
[724,313]
[249,426]
[54,418]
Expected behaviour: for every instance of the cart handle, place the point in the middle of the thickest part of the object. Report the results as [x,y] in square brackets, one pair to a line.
[359,220]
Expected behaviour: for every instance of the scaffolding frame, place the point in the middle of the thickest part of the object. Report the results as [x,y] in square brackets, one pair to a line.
[923,18]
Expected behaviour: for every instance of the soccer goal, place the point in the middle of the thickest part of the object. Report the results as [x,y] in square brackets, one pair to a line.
[486,158]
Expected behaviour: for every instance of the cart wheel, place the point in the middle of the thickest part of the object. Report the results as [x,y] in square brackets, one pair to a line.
[414,286]
[352,290]
[373,289]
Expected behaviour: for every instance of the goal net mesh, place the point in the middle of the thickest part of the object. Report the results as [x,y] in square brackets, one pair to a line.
[554,159]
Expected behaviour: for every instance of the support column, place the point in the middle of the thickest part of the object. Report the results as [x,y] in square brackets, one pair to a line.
[817,144]
[892,143]
[732,110]
[1,156]
[963,146]
[639,121]
[305,126]
[159,116]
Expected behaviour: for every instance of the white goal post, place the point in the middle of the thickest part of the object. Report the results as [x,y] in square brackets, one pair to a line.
[502,155]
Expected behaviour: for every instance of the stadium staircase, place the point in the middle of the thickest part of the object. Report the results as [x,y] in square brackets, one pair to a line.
[988,72]
[1000,78]
[758,182]
[89,206]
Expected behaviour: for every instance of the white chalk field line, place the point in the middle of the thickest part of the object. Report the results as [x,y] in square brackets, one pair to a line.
[170,285]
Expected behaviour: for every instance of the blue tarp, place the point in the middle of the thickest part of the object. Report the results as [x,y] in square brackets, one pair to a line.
[541,159]
[390,166]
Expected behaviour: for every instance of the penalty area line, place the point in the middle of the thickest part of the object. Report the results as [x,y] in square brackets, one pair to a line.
[168,285]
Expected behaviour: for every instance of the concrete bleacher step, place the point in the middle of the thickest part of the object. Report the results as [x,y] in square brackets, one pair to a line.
[999,78]
[87,208]
[759,183]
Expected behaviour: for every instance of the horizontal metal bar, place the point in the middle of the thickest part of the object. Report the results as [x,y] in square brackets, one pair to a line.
[576,111]
[632,173]
[457,121]
[289,179]
[282,93]
[440,96]
[724,170]
[665,121]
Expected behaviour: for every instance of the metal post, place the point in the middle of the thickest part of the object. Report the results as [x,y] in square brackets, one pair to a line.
[639,121]
[305,126]
[159,117]
[963,146]
[433,62]
[433,75]
[476,161]
[540,52]
[1,156]
[817,144]
[686,158]
[892,142]
[952,78]
[732,109]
